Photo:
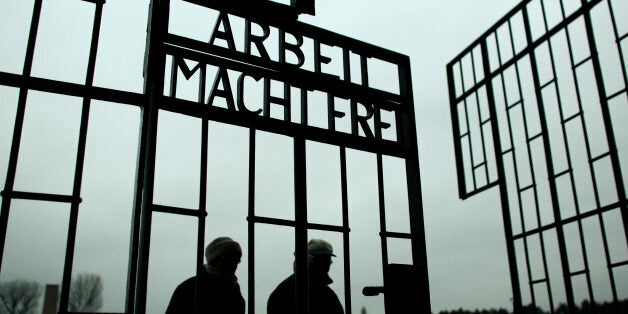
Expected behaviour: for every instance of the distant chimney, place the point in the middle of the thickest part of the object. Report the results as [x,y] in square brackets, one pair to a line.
[51,297]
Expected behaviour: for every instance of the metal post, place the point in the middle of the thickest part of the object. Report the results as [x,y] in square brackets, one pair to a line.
[17,129]
[413,181]
[153,88]
[550,167]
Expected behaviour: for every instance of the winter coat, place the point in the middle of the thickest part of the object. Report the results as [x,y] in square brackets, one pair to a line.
[322,300]
[219,296]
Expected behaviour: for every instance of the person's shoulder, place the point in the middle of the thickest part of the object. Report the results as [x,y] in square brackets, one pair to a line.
[285,285]
[186,284]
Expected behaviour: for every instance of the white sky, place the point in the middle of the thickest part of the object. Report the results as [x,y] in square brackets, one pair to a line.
[466,251]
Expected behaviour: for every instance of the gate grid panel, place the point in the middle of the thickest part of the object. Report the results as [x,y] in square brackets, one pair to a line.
[536,106]
[374,115]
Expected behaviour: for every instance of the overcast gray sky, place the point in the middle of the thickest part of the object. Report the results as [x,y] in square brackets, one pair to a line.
[465,240]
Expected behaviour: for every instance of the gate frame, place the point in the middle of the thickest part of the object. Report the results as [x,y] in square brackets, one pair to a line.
[268,13]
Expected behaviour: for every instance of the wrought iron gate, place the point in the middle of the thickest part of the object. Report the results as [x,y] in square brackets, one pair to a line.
[538,105]
[370,119]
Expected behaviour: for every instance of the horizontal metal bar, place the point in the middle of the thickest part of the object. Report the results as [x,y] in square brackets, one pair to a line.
[472,90]
[465,134]
[271,221]
[66,312]
[576,115]
[535,137]
[527,188]
[41,197]
[515,104]
[534,282]
[281,127]
[577,65]
[624,36]
[616,94]
[594,159]
[479,190]
[485,121]
[267,9]
[569,220]
[618,264]
[328,228]
[479,165]
[578,273]
[95,2]
[396,235]
[562,173]
[71,89]
[178,210]
[548,83]
[510,150]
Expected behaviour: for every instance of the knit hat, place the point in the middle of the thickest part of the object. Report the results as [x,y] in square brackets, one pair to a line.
[319,247]
[219,247]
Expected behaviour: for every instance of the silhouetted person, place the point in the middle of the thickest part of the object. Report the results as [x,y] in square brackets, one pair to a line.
[219,290]
[322,300]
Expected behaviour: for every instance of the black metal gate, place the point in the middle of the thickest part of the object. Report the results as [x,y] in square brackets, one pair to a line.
[358,117]
[538,106]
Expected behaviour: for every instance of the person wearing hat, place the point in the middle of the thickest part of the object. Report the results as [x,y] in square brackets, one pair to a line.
[219,291]
[321,298]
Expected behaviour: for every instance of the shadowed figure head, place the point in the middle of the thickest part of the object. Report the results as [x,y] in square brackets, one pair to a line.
[224,254]
[319,253]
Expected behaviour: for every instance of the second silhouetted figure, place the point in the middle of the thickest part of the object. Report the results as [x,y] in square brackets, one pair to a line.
[322,300]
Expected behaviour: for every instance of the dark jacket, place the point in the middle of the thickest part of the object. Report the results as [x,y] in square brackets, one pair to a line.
[322,300]
[217,297]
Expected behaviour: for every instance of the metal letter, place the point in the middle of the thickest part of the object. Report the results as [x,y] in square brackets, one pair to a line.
[227,35]
[224,93]
[257,40]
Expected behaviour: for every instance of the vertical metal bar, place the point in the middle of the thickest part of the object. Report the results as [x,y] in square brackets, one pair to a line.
[303,106]
[466,117]
[620,50]
[532,175]
[153,88]
[345,224]
[501,179]
[550,166]
[251,223]
[202,207]
[382,220]
[80,162]
[17,128]
[300,235]
[413,181]
[510,238]
[568,153]
[607,254]
[455,121]
[331,120]
[608,127]
[136,217]
[174,76]
[477,104]
[346,62]
[364,70]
